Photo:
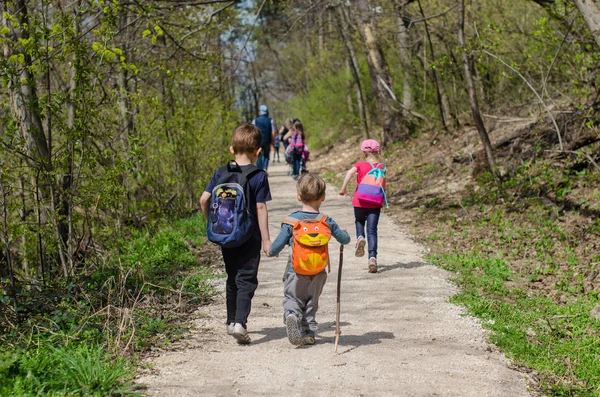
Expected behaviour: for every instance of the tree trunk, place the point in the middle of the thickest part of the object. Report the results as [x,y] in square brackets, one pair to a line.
[127,126]
[354,68]
[23,94]
[467,65]
[405,58]
[439,89]
[380,76]
[591,14]
[26,107]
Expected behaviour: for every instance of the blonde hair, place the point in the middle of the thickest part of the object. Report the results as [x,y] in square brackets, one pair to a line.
[246,139]
[289,124]
[310,187]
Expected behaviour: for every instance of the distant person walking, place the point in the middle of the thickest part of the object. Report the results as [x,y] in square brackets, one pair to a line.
[297,142]
[368,199]
[268,131]
[284,133]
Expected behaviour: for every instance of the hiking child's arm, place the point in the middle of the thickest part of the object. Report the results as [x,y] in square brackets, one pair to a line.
[204,203]
[263,225]
[351,172]
[282,239]
[340,235]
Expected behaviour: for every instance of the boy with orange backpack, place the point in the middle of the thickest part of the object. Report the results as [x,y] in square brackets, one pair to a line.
[368,198]
[308,232]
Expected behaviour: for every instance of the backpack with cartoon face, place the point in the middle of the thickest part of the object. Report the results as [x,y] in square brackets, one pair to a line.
[230,221]
[371,189]
[310,239]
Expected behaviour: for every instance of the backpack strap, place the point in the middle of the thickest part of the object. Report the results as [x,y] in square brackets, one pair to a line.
[321,217]
[290,220]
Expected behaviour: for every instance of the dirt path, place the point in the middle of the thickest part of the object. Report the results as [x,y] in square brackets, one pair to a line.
[400,336]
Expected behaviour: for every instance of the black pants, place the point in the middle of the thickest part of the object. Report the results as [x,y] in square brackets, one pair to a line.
[241,265]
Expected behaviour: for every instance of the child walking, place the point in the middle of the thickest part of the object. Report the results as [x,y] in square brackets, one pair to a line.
[308,232]
[240,243]
[297,142]
[366,213]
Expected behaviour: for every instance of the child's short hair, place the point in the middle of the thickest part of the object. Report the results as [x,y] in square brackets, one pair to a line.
[310,187]
[246,139]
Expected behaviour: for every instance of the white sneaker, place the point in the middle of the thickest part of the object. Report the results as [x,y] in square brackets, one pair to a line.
[230,327]
[240,334]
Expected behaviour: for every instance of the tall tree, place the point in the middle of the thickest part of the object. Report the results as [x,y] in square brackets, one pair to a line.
[354,68]
[467,58]
[381,78]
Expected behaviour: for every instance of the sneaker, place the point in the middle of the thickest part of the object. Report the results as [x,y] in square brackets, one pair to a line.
[360,247]
[308,339]
[230,327]
[372,265]
[293,330]
[240,334]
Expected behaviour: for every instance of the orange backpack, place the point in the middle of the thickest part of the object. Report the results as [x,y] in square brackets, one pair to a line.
[310,239]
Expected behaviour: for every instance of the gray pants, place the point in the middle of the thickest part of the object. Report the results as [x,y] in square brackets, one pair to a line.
[302,298]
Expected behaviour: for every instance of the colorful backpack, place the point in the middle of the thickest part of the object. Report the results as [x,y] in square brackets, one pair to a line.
[296,143]
[371,189]
[230,221]
[310,239]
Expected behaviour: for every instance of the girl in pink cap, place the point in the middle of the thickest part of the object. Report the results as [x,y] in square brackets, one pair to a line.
[366,213]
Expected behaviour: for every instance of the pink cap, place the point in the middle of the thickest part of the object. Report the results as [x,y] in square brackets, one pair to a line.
[370,146]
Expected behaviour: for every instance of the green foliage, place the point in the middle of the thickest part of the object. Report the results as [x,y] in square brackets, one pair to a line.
[557,340]
[329,87]
[166,251]
[80,339]
[72,370]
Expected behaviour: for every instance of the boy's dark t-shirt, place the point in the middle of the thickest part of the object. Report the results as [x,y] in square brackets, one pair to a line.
[260,191]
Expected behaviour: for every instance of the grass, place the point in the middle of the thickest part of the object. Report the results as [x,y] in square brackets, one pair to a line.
[83,338]
[560,341]
[73,370]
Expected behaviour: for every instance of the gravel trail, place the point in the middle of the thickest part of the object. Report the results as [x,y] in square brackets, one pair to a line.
[400,336]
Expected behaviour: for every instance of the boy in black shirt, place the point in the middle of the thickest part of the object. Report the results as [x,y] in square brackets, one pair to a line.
[241,263]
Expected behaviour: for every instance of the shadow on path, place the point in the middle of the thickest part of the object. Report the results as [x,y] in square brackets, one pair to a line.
[280,332]
[409,265]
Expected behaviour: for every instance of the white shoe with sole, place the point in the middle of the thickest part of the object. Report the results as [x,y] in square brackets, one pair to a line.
[240,334]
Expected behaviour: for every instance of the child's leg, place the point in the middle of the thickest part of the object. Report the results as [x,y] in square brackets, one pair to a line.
[372,222]
[231,290]
[292,303]
[241,264]
[360,217]
[309,324]
[293,306]
[296,158]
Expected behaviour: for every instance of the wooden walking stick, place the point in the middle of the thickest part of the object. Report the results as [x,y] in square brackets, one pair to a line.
[339,292]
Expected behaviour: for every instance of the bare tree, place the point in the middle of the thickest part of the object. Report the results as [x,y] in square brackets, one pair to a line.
[468,68]
[380,75]
[354,68]
[590,11]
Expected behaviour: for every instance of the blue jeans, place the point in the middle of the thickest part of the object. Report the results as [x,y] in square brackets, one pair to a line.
[296,161]
[370,217]
[263,160]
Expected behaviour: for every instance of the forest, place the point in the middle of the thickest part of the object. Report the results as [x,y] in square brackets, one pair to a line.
[115,113]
